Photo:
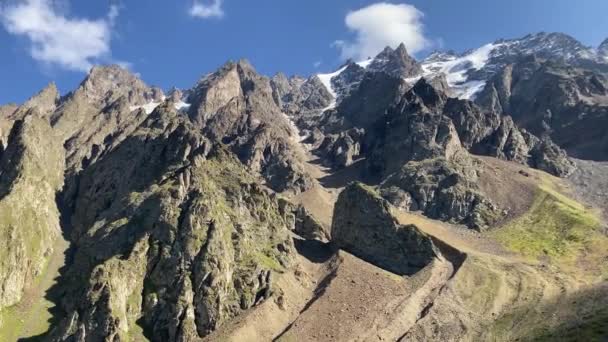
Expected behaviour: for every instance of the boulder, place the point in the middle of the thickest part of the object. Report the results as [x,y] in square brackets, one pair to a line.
[364,226]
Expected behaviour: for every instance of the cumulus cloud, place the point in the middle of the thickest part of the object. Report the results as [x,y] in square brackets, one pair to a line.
[380,25]
[212,9]
[71,43]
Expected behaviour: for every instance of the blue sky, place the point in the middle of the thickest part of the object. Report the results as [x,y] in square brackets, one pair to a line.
[173,43]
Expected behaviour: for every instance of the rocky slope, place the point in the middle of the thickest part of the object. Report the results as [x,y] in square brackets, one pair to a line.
[181,222]
[31,174]
[226,211]
[565,102]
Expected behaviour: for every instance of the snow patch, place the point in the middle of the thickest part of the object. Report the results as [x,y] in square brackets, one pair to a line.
[468,90]
[181,105]
[151,106]
[148,107]
[456,68]
[365,63]
[326,80]
[412,80]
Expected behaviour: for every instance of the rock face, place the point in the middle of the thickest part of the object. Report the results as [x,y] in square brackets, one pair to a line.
[341,150]
[417,143]
[236,106]
[106,84]
[31,173]
[397,63]
[438,126]
[442,189]
[172,234]
[102,111]
[307,226]
[562,101]
[171,229]
[363,225]
[298,95]
[369,101]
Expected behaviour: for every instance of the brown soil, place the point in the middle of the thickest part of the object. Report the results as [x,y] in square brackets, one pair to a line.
[474,291]
[510,186]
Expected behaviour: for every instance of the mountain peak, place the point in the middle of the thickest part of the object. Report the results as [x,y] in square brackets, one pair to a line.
[106,83]
[401,49]
[45,100]
[396,62]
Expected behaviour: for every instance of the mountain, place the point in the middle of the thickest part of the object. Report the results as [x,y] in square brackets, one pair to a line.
[393,199]
[603,50]
[468,72]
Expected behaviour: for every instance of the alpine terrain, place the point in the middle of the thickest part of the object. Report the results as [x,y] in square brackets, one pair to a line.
[461,197]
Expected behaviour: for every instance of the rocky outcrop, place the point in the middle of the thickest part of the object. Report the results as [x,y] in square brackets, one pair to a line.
[414,129]
[174,237]
[363,225]
[441,189]
[307,226]
[41,105]
[348,80]
[106,84]
[100,113]
[300,96]
[369,102]
[302,222]
[236,106]
[6,123]
[31,174]
[45,102]
[547,156]
[397,63]
[562,101]
[440,82]
[341,150]
[427,124]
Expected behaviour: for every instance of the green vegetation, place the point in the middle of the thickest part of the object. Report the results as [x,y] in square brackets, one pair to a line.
[591,329]
[478,284]
[582,316]
[555,227]
[26,230]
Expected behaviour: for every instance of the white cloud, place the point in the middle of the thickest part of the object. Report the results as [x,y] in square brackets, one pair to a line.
[380,25]
[71,43]
[317,64]
[207,10]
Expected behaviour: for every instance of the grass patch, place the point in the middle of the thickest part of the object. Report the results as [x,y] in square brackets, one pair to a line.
[17,323]
[592,329]
[555,227]
[581,316]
